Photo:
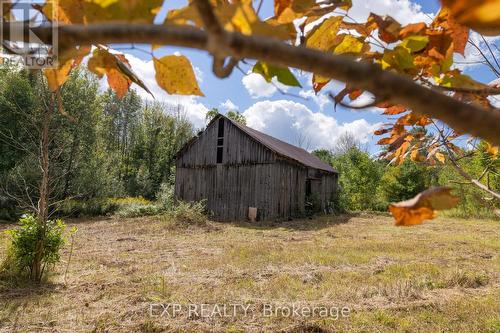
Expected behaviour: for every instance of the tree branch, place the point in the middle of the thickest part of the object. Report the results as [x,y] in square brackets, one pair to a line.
[461,171]
[385,85]
[216,39]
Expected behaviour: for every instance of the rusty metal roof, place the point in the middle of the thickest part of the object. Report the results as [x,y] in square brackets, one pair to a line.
[284,149]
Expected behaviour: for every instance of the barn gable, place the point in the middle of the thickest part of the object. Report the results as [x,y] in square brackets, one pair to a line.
[237,152]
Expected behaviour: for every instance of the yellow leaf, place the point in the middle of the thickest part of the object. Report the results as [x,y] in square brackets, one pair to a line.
[492,150]
[440,157]
[349,45]
[176,76]
[324,36]
[57,76]
[236,16]
[92,11]
[423,206]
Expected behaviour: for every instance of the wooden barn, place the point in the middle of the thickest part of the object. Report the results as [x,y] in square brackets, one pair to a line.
[235,167]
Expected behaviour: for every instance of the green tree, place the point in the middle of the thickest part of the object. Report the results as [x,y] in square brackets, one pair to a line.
[358,180]
[404,181]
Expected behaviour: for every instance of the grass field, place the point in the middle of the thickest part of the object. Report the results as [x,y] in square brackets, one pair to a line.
[443,276]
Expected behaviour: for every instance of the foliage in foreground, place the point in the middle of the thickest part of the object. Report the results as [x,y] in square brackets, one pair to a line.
[28,240]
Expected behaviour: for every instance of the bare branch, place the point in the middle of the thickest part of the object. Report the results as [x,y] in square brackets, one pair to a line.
[385,85]
[461,171]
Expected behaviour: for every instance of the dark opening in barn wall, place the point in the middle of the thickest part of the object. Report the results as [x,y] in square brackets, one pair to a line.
[220,141]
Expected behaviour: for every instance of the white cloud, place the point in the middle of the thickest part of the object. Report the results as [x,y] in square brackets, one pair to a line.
[258,87]
[404,11]
[288,121]
[228,105]
[194,110]
[320,99]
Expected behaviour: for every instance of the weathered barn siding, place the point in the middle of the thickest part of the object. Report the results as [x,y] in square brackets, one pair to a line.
[238,149]
[277,190]
[250,175]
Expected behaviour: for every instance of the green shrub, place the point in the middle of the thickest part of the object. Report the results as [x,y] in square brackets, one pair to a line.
[165,197]
[185,214]
[137,210]
[124,207]
[26,239]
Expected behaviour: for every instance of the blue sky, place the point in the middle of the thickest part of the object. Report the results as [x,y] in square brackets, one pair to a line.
[310,120]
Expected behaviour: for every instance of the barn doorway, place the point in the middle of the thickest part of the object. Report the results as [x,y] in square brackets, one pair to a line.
[312,198]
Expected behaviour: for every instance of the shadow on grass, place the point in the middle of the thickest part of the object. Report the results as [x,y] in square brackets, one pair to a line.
[302,224]
[12,287]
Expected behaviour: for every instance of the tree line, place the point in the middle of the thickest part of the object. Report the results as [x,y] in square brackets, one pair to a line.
[101,145]
[370,183]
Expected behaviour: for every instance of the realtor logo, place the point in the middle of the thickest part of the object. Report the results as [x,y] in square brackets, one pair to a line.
[20,44]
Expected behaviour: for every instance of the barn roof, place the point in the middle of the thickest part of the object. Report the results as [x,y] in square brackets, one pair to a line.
[282,148]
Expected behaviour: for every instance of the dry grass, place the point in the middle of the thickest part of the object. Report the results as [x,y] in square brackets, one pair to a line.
[441,276]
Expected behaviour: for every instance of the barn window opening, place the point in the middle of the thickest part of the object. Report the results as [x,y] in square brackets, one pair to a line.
[220,141]
[219,154]
[221,128]
[308,188]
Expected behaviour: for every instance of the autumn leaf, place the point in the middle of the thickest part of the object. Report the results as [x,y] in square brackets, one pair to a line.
[116,69]
[56,77]
[388,28]
[399,58]
[283,74]
[84,12]
[460,33]
[289,10]
[324,36]
[412,29]
[492,150]
[394,109]
[480,15]
[176,76]
[440,157]
[349,45]
[415,43]
[318,82]
[423,206]
[416,156]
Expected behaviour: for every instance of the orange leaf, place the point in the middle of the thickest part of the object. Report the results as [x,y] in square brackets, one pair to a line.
[105,63]
[423,206]
[459,33]
[388,28]
[480,15]
[412,29]
[395,109]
